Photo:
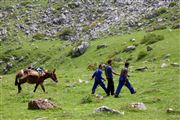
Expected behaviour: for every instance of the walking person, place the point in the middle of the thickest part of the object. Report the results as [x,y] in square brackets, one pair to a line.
[123,80]
[109,76]
[98,80]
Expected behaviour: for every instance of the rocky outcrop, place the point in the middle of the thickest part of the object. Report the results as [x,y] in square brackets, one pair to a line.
[88,19]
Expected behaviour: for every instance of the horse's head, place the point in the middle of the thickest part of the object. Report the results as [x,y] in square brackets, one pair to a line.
[53,76]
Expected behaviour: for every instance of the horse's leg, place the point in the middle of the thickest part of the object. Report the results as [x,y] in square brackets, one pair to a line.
[19,88]
[21,81]
[42,86]
[36,87]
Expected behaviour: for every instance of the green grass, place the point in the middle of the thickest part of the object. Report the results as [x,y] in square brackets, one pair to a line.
[158,87]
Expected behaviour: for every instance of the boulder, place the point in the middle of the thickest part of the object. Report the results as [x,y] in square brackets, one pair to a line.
[137,106]
[105,109]
[41,104]
[80,49]
[129,48]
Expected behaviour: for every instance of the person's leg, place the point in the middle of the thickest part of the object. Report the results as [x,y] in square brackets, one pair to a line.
[130,87]
[103,86]
[120,85]
[108,86]
[112,87]
[94,87]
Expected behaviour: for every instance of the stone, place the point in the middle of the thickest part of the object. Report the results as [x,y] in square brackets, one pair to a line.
[170,110]
[175,64]
[41,104]
[132,40]
[101,46]
[1,77]
[137,106]
[80,49]
[163,65]
[142,69]
[149,48]
[99,97]
[129,48]
[105,109]
[167,56]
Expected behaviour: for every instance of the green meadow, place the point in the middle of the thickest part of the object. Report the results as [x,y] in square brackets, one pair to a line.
[158,88]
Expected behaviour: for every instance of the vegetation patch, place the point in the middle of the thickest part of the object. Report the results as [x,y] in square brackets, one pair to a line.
[151,38]
[38,36]
[160,11]
[141,55]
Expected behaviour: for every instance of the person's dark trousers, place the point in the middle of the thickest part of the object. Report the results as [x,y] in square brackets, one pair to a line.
[128,85]
[99,82]
[110,86]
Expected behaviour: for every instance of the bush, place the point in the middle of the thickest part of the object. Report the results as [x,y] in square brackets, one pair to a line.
[160,11]
[86,99]
[172,4]
[141,55]
[151,38]
[38,36]
[25,3]
[159,27]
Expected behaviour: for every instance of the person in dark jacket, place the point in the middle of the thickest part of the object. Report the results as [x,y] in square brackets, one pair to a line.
[109,76]
[98,80]
[123,80]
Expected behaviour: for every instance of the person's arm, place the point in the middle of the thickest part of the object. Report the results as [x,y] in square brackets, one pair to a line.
[93,75]
[115,73]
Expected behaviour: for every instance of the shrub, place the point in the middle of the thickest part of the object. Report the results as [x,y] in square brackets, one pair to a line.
[160,11]
[25,3]
[141,55]
[86,99]
[151,38]
[172,4]
[159,27]
[38,36]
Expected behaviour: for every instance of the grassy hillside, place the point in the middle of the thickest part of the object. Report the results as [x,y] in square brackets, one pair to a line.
[157,87]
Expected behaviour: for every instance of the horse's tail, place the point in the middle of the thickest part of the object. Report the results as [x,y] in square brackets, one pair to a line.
[16,81]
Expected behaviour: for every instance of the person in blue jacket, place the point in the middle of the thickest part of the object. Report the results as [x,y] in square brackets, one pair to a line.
[109,76]
[98,80]
[123,80]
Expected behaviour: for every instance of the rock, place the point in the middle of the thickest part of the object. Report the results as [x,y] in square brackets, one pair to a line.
[129,48]
[175,64]
[80,49]
[101,46]
[83,81]
[106,109]
[99,97]
[142,69]
[167,56]
[137,106]
[132,40]
[170,110]
[1,62]
[1,77]
[149,48]
[71,85]
[41,104]
[164,65]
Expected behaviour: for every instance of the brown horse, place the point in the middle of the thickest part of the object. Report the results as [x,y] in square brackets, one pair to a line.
[33,77]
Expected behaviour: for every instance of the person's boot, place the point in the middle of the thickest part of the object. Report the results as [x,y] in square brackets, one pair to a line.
[115,95]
